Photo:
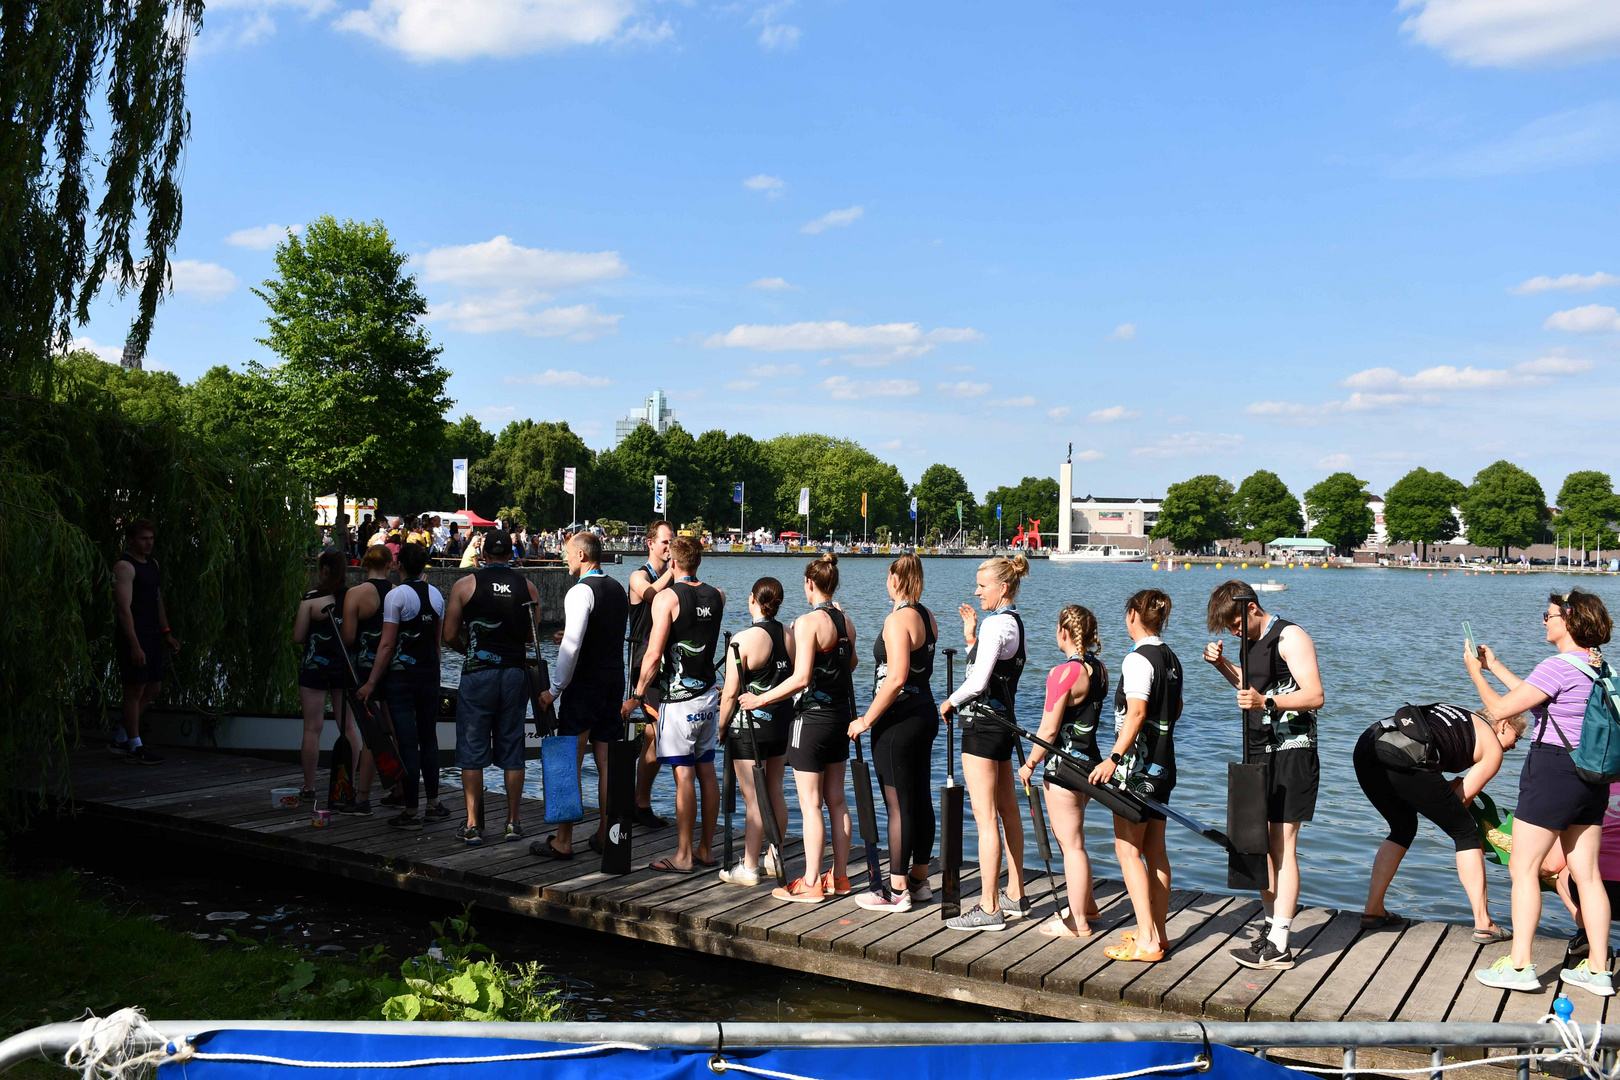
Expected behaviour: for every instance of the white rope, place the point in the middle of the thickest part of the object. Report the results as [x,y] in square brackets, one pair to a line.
[721,1065]
[188,1054]
[1575,1051]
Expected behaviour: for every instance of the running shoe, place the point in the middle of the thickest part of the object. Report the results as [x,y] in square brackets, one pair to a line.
[921,891]
[142,755]
[800,891]
[767,864]
[978,919]
[118,749]
[472,836]
[437,812]
[885,900]
[393,800]
[306,796]
[354,808]
[1596,982]
[1262,953]
[406,821]
[1504,976]
[740,875]
[835,886]
[649,820]
[514,832]
[1015,909]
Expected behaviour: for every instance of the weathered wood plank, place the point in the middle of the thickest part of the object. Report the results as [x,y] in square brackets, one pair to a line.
[1110,983]
[1150,990]
[1070,976]
[1283,997]
[993,966]
[1548,956]
[1453,962]
[1388,989]
[1238,988]
[1355,970]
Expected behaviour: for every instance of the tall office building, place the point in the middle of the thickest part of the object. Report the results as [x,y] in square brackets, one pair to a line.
[654,411]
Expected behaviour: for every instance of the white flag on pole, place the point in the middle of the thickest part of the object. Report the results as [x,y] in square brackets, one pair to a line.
[568,481]
[804,501]
[660,489]
[458,476]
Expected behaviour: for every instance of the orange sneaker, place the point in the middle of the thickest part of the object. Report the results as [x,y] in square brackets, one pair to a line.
[835,886]
[800,892]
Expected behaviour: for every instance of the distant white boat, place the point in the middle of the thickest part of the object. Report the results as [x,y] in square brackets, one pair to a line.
[1099,553]
[1272,585]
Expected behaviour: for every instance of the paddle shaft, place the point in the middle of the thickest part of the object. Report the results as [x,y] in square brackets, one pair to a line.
[729,798]
[374,735]
[865,811]
[545,720]
[762,795]
[1037,818]
[950,814]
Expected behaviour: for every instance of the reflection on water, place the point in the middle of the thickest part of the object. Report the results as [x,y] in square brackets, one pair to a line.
[1384,637]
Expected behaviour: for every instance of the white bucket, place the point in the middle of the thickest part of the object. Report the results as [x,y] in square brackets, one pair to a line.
[284,798]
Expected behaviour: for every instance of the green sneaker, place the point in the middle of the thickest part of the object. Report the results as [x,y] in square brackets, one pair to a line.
[1504,976]
[1596,982]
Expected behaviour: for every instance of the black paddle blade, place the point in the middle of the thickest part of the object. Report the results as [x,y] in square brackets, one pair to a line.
[1247,873]
[767,817]
[950,851]
[340,774]
[620,808]
[729,804]
[866,814]
[376,737]
[1037,814]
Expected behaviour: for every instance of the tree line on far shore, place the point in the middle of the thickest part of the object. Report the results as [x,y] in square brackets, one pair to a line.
[1503,507]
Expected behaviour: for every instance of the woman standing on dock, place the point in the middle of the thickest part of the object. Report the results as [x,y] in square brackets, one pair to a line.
[362,630]
[1075,692]
[765,652]
[1146,708]
[995,663]
[904,725]
[1555,804]
[321,671]
[823,696]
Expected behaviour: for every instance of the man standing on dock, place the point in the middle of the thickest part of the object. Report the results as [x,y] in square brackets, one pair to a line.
[1279,700]
[494,681]
[646,582]
[588,676]
[141,635]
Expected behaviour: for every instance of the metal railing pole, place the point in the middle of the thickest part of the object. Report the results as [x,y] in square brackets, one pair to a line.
[1437,1058]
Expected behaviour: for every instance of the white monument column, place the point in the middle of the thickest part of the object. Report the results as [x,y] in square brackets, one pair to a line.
[1066,506]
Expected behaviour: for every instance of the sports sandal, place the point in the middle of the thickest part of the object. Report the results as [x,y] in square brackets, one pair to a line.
[1493,935]
[1131,954]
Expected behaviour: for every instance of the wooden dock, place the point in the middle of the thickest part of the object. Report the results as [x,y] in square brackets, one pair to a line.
[219,803]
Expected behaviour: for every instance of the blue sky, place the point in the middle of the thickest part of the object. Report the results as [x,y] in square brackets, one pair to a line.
[1186,237]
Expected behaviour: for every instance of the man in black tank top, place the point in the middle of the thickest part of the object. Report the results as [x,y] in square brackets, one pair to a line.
[588,676]
[646,582]
[139,638]
[1284,690]
[680,658]
[487,618]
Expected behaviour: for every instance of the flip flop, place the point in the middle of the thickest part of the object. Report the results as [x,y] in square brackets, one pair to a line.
[707,864]
[664,866]
[1055,927]
[1131,954]
[1491,937]
[1386,921]
[546,850]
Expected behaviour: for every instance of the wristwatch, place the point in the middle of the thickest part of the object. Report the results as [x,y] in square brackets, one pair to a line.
[1271,704]
[1117,759]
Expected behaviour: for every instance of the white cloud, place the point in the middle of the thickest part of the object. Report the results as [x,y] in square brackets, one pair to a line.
[572,380]
[1447,377]
[1025,402]
[1190,443]
[833,219]
[950,335]
[1090,455]
[772,186]
[843,388]
[1515,33]
[498,314]
[774,34]
[1335,461]
[262,237]
[774,371]
[1554,365]
[1058,413]
[891,444]
[960,367]
[964,389]
[743,384]
[1111,414]
[1591,319]
[1579,136]
[501,264]
[1570,282]
[771,284]
[112,354]
[908,338]
[1123,332]
[247,22]
[462,29]
[207,280]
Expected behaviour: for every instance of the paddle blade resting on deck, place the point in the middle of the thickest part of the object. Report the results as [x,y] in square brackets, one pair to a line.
[950,815]
[559,758]
[861,773]
[340,775]
[622,755]
[1246,865]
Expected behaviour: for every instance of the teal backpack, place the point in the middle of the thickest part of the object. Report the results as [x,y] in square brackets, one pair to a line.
[1597,758]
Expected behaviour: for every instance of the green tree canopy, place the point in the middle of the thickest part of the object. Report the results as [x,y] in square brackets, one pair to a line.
[221,406]
[429,488]
[1034,497]
[1588,506]
[938,491]
[1338,506]
[1194,512]
[836,471]
[358,399]
[1504,507]
[529,459]
[1263,509]
[143,397]
[1418,508]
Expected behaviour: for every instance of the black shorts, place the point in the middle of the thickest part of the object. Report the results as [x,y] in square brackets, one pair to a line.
[151,671]
[983,737]
[1292,779]
[771,737]
[596,710]
[1553,795]
[1400,795]
[317,679]
[817,741]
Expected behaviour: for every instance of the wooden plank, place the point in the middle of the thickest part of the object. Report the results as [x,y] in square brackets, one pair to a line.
[1237,988]
[1030,972]
[813,917]
[1388,989]
[757,927]
[1283,998]
[1356,970]
[1070,977]
[1548,956]
[958,959]
[823,938]
[1448,969]
[992,966]
[731,921]
[1150,990]
[887,949]
[1110,983]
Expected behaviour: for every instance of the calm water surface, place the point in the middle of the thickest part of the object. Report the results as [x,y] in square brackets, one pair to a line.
[1384,637]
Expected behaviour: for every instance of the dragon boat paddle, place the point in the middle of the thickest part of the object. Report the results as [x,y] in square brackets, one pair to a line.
[950,814]
[559,754]
[1248,863]
[728,800]
[1037,818]
[374,734]
[861,775]
[762,797]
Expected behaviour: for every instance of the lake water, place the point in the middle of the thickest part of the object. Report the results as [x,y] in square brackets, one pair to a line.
[1384,637]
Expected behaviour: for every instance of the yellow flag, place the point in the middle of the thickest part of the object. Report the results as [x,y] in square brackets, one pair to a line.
[863,504]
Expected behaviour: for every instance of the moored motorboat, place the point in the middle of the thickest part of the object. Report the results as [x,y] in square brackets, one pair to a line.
[1099,553]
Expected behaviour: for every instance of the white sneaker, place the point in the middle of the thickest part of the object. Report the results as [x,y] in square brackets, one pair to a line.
[921,892]
[767,865]
[1502,975]
[1598,982]
[884,900]
[740,875]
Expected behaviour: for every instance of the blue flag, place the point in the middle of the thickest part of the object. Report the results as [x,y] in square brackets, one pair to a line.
[736,493]
[998,511]
[914,508]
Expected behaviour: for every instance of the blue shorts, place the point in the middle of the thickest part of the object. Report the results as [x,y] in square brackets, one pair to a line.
[489,718]
[1553,795]
[593,709]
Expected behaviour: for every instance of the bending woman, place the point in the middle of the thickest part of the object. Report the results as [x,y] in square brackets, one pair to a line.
[818,745]
[321,670]
[1075,691]
[904,725]
[1146,708]
[1555,805]
[1460,742]
[766,652]
[995,663]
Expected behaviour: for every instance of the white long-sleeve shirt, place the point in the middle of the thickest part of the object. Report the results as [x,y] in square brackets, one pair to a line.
[578,604]
[998,640]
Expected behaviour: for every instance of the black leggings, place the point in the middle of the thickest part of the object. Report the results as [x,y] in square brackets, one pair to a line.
[414,710]
[1401,796]
[903,752]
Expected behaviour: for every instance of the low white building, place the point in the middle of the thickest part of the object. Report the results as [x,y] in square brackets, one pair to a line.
[1096,519]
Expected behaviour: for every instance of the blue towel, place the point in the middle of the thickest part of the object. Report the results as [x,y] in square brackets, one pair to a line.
[559,762]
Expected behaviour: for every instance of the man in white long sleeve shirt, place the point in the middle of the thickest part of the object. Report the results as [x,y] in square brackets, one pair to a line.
[588,676]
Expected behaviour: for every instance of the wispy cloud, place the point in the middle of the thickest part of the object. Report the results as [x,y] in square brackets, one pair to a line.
[428,30]
[1591,319]
[964,389]
[1384,388]
[833,219]
[1566,282]
[772,186]
[1335,462]
[773,371]
[262,237]
[1190,443]
[1090,455]
[843,388]
[1112,414]
[743,384]
[1123,332]
[1058,413]
[1515,33]
[877,345]
[507,312]
[771,284]
[503,287]
[572,380]
[1566,139]
[1025,402]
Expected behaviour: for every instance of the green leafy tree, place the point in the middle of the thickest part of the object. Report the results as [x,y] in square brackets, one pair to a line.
[1504,507]
[1034,498]
[623,477]
[1263,509]
[358,399]
[1418,509]
[731,459]
[429,488]
[938,491]
[529,459]
[143,397]
[836,471]
[1589,507]
[1194,513]
[221,406]
[1339,507]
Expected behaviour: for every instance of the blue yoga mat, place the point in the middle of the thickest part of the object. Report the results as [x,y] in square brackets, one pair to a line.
[559,762]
